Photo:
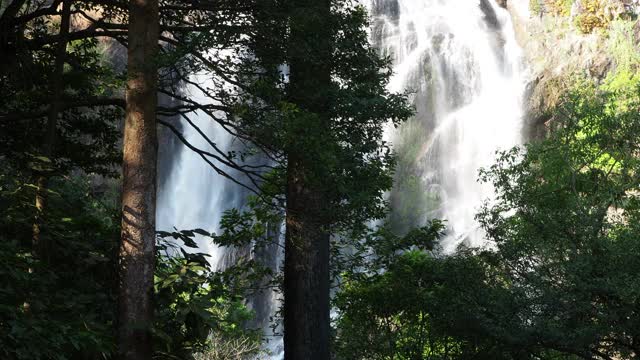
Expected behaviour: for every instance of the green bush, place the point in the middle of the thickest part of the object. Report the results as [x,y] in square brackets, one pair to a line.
[560,7]
[592,17]
[554,7]
[560,278]
[61,307]
[536,7]
[64,307]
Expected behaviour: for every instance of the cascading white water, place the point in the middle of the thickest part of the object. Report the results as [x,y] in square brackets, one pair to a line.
[461,61]
[194,195]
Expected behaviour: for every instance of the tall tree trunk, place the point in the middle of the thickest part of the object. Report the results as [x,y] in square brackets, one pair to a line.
[306,265]
[137,247]
[41,247]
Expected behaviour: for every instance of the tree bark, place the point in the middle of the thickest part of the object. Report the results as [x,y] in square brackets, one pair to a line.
[306,265]
[137,247]
[306,270]
[41,247]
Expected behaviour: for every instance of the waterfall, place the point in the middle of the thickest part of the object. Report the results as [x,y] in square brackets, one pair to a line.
[461,64]
[192,195]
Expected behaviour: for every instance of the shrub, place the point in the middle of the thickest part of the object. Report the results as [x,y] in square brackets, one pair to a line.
[560,7]
[592,16]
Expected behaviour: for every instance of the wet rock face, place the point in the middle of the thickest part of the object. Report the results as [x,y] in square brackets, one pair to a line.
[490,16]
[542,93]
[390,8]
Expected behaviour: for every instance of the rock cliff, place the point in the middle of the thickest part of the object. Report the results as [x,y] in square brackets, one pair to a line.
[565,39]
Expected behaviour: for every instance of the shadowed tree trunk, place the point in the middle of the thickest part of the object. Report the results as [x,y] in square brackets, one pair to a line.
[41,247]
[306,267]
[137,248]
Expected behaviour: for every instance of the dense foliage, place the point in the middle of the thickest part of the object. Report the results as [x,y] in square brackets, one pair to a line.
[560,276]
[60,140]
[349,155]
[86,136]
[64,305]
[565,227]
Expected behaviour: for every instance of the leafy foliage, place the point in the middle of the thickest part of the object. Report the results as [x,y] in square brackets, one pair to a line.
[564,226]
[555,7]
[64,306]
[85,138]
[592,16]
[345,153]
[560,7]
[399,301]
[235,349]
[198,308]
[622,45]
[559,280]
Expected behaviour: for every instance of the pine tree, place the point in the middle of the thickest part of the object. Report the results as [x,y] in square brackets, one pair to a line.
[306,263]
[321,120]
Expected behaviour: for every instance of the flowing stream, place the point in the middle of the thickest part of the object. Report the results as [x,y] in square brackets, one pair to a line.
[463,68]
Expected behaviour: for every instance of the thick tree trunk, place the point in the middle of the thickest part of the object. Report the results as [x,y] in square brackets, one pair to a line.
[306,268]
[137,248]
[41,247]
[306,271]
